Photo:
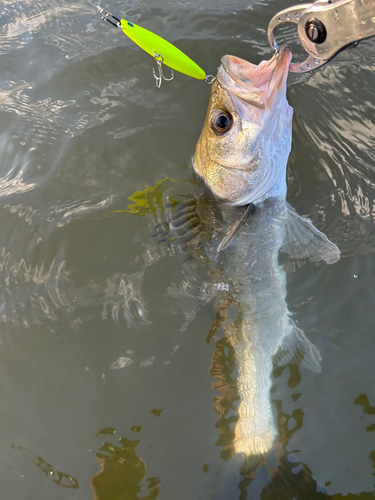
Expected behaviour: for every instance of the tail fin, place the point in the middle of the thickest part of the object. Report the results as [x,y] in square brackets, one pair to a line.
[227,482]
[279,475]
[243,477]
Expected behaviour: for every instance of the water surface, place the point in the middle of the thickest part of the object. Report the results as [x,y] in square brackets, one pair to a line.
[105,378]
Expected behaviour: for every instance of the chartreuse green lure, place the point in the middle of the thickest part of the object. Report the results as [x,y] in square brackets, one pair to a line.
[161,50]
[157,46]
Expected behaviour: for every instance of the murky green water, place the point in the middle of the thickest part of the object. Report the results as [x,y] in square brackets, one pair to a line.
[105,379]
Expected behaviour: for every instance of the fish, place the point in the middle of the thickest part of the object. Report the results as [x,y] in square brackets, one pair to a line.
[240,163]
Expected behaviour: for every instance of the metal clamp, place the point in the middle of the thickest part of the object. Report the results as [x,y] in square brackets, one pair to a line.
[325,28]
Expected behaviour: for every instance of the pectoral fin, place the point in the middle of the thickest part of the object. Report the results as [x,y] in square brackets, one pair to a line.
[303,241]
[297,348]
[248,210]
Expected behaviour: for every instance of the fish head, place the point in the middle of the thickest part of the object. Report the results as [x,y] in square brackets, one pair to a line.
[246,138]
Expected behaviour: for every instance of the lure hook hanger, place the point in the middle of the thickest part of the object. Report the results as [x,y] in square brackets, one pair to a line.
[160,77]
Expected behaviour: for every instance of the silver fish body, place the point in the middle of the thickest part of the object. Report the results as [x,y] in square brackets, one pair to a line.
[261,291]
[241,158]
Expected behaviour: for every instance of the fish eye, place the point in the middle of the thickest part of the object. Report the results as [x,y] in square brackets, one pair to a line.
[221,122]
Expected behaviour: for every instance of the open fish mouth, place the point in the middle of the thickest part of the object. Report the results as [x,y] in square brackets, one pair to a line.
[256,84]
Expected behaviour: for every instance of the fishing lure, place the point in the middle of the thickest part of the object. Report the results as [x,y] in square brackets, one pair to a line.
[161,50]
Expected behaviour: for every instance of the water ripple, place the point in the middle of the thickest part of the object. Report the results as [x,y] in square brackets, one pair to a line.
[14,185]
[26,290]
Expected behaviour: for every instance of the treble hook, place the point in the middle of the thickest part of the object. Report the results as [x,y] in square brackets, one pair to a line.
[160,77]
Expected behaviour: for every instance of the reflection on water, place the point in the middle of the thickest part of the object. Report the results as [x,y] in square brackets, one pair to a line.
[123,472]
[28,292]
[367,408]
[221,368]
[56,476]
[125,296]
[14,185]
[105,315]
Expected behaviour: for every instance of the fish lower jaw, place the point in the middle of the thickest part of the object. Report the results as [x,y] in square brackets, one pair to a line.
[254,444]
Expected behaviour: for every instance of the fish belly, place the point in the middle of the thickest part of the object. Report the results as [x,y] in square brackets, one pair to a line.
[255,339]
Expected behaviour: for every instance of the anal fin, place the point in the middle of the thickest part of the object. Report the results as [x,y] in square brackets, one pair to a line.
[296,347]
